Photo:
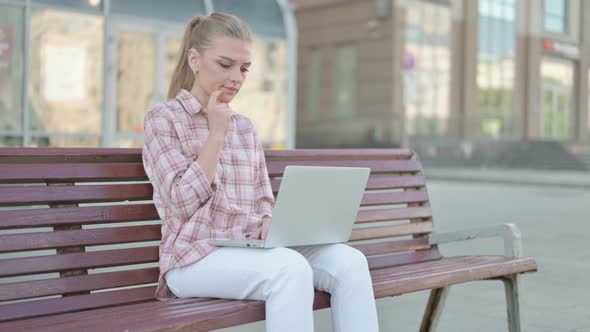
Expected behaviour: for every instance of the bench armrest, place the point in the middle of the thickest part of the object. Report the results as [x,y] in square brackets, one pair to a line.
[510,233]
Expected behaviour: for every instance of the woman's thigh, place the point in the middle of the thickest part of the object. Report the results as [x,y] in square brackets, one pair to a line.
[233,273]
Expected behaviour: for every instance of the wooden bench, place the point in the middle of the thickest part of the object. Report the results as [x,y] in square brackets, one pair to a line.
[79,242]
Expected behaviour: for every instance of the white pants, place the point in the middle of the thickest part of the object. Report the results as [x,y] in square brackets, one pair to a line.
[285,278]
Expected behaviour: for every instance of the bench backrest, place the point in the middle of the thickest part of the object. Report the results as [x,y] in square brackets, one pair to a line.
[78,229]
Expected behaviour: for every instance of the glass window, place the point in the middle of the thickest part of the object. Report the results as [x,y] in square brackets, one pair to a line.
[42,141]
[495,68]
[171,56]
[10,140]
[555,15]
[314,84]
[180,12]
[263,97]
[426,68]
[66,74]
[84,4]
[345,78]
[11,70]
[136,65]
[264,17]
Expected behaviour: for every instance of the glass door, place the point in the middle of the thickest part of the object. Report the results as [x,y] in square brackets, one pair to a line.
[426,71]
[142,60]
[556,118]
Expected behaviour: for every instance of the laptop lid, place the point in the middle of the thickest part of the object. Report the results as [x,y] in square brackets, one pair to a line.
[316,205]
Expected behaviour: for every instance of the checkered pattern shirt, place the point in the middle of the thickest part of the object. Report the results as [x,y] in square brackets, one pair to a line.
[193,209]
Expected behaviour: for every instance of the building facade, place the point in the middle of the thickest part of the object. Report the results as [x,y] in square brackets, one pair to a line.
[456,78]
[83,72]
[442,75]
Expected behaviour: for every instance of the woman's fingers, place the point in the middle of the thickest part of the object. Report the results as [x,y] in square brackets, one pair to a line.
[263,233]
[213,99]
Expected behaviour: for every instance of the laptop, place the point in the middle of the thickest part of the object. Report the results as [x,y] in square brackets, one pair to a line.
[315,205]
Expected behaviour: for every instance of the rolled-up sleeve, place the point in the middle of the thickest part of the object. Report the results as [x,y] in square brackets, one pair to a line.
[179,181]
[263,190]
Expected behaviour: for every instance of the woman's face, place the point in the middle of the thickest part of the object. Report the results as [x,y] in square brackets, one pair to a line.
[223,66]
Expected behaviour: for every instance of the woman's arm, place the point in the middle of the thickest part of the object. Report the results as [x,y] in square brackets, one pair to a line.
[218,119]
[209,154]
[185,184]
[181,182]
[263,191]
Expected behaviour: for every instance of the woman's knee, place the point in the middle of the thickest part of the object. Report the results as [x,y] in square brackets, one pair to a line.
[353,262]
[358,258]
[292,260]
[292,265]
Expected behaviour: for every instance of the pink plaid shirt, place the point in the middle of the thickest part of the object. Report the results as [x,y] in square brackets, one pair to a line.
[193,211]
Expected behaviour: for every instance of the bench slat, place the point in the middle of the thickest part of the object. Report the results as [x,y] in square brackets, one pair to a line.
[89,282]
[65,262]
[348,154]
[370,249]
[65,154]
[394,198]
[396,259]
[378,182]
[74,303]
[408,269]
[393,214]
[84,237]
[233,313]
[476,268]
[117,235]
[444,265]
[179,314]
[194,308]
[27,173]
[368,233]
[23,173]
[382,272]
[37,195]
[277,167]
[142,212]
[40,195]
[106,153]
[395,181]
[45,217]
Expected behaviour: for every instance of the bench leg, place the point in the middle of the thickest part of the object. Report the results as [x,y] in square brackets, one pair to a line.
[511,286]
[433,310]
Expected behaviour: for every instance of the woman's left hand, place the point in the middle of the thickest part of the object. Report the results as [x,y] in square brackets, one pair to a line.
[263,229]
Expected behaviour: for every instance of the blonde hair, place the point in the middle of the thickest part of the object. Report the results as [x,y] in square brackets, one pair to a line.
[199,34]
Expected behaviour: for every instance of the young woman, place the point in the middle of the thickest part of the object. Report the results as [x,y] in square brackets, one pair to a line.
[206,164]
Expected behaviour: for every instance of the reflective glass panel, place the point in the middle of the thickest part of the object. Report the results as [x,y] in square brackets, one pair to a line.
[11,68]
[66,72]
[495,67]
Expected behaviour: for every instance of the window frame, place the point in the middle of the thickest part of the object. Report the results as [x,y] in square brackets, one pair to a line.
[572,24]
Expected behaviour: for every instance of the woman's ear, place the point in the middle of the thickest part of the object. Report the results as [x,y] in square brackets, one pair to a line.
[193,59]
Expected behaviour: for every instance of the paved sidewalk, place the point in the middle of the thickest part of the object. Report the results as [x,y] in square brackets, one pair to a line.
[565,179]
[555,223]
